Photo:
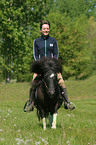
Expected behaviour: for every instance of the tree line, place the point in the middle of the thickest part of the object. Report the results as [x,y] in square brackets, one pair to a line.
[73,24]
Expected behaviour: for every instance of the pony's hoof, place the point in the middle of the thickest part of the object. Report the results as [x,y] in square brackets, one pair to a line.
[44,129]
[53,127]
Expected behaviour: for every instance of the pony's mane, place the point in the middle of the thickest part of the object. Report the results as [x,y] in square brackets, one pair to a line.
[45,65]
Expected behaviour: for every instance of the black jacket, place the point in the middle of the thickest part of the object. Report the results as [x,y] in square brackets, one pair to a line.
[45,46]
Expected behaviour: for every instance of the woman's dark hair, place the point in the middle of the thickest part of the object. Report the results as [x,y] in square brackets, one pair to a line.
[44,22]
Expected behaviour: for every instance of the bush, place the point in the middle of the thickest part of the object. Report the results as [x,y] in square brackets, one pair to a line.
[24,77]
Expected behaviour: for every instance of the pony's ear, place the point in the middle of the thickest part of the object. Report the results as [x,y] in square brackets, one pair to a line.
[36,67]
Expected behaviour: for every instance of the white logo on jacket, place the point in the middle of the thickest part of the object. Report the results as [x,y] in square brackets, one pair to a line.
[51,44]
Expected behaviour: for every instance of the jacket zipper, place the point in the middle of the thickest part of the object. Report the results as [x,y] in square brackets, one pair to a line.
[45,48]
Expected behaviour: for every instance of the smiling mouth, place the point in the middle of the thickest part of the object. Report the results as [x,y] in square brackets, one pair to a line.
[46,33]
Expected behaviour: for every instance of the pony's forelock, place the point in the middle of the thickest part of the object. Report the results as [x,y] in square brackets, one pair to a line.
[45,65]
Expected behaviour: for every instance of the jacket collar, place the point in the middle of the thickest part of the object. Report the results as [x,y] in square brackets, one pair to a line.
[45,37]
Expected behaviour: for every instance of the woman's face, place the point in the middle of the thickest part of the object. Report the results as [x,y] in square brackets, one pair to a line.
[45,29]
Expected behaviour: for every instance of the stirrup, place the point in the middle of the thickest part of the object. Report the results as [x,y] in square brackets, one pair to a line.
[29,107]
[26,104]
[69,106]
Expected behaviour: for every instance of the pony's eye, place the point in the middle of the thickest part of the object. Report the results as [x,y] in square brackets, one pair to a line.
[52,75]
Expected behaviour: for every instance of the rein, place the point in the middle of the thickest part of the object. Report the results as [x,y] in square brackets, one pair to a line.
[45,83]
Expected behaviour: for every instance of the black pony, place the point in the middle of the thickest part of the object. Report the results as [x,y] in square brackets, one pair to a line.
[48,94]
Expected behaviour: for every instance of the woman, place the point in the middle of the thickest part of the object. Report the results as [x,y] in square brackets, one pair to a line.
[46,46]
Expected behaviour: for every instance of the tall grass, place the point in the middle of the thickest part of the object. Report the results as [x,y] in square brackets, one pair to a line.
[77,127]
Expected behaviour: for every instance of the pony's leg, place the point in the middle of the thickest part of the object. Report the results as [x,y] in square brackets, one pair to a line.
[54,121]
[44,123]
[50,120]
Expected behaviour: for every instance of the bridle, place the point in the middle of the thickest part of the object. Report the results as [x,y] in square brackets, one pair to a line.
[50,76]
[45,83]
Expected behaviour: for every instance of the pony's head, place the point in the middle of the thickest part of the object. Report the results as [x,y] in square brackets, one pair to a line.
[50,82]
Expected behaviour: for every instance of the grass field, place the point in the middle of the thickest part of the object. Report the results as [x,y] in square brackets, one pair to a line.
[77,127]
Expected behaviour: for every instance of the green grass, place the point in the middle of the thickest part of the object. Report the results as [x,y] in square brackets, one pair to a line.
[77,127]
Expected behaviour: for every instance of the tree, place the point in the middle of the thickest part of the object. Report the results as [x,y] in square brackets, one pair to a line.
[70,25]
[73,44]
[92,40]
[18,20]
[75,8]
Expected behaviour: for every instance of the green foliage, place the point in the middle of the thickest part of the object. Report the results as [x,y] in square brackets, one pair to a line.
[1,72]
[71,25]
[92,41]
[71,35]
[75,8]
[18,20]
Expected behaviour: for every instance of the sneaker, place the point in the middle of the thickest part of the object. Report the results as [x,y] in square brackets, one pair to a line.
[69,105]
